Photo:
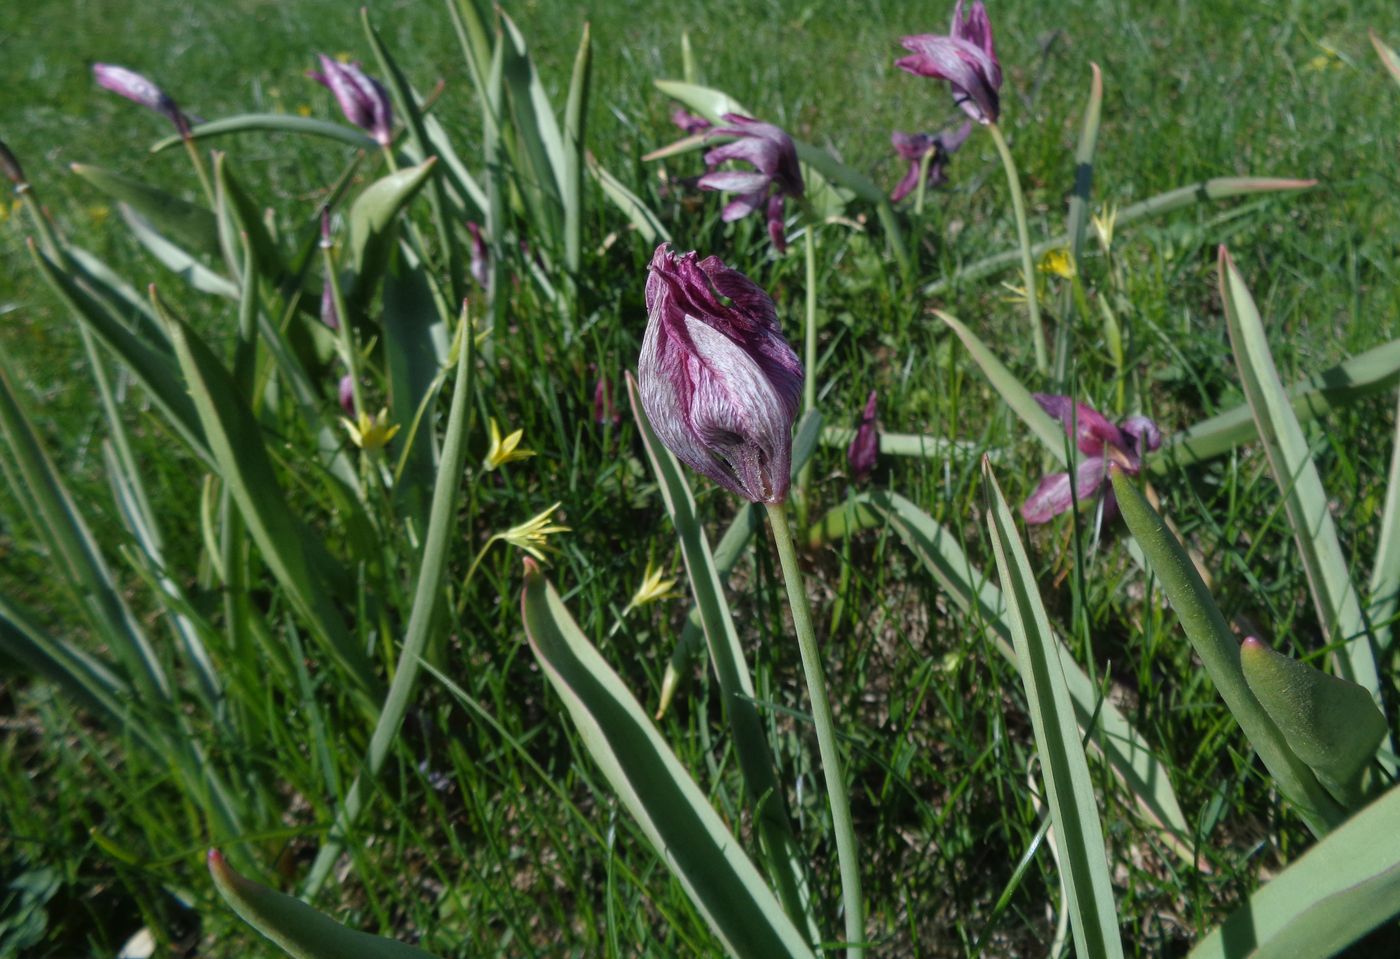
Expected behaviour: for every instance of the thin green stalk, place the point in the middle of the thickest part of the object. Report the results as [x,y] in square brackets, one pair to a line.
[202,173]
[1018,204]
[826,734]
[349,353]
[809,356]
[922,189]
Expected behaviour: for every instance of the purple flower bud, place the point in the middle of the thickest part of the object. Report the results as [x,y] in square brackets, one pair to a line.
[347,394]
[966,58]
[775,175]
[138,89]
[718,382]
[329,316]
[604,412]
[865,445]
[362,99]
[913,147]
[481,256]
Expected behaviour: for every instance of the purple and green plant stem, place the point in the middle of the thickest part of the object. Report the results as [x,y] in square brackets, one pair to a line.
[1018,206]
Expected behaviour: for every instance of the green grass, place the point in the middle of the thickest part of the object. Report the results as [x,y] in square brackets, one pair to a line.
[520,849]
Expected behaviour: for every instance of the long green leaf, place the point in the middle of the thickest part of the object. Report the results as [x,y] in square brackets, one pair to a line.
[1219,188]
[539,165]
[1220,654]
[688,835]
[571,175]
[1385,570]
[1121,745]
[1319,548]
[176,258]
[1078,222]
[273,123]
[1345,886]
[86,679]
[373,226]
[765,792]
[1093,915]
[193,226]
[649,227]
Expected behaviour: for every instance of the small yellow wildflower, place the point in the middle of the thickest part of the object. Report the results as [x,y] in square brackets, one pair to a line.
[653,588]
[343,56]
[1015,294]
[370,435]
[1328,59]
[503,451]
[303,110]
[533,535]
[98,213]
[1103,226]
[1058,262]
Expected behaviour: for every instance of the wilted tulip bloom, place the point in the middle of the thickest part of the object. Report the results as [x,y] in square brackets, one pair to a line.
[346,390]
[966,58]
[1101,443]
[138,89]
[718,382]
[689,122]
[865,445]
[362,99]
[913,147]
[775,173]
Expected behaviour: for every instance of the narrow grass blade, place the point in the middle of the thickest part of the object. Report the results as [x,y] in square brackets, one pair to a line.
[1041,423]
[571,176]
[1122,747]
[273,123]
[373,221]
[1078,223]
[1389,58]
[190,225]
[648,226]
[1358,377]
[1385,570]
[176,258]
[542,143]
[298,562]
[1093,915]
[248,221]
[1338,606]
[765,792]
[1220,654]
[919,445]
[1220,188]
[688,835]
[297,929]
[1345,886]
[87,680]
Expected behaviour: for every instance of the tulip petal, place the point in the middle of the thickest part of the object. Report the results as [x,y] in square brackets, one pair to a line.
[1053,497]
[1092,428]
[735,181]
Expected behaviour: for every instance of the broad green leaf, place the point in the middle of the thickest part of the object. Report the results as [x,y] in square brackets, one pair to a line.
[571,173]
[1360,376]
[297,929]
[456,171]
[373,221]
[1219,188]
[1220,654]
[273,123]
[1342,888]
[1022,403]
[175,258]
[689,837]
[1385,570]
[1388,56]
[1332,724]
[415,349]
[86,679]
[765,792]
[648,226]
[540,161]
[248,220]
[119,296]
[1093,915]
[187,224]
[1084,167]
[1111,734]
[1305,500]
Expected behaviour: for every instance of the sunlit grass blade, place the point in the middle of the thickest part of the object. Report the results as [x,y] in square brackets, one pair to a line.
[1093,914]
[373,220]
[1388,56]
[909,444]
[1219,652]
[765,792]
[1078,223]
[540,161]
[1220,188]
[1345,886]
[176,258]
[648,226]
[1305,500]
[298,929]
[190,225]
[1124,749]
[273,123]
[571,175]
[688,835]
[1385,569]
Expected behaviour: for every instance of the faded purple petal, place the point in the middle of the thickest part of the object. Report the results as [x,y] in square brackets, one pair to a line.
[689,122]
[865,445]
[139,89]
[1146,436]
[1092,429]
[906,185]
[776,231]
[966,58]
[734,181]
[718,382]
[1053,496]
[776,173]
[741,206]
[911,146]
[347,394]
[362,99]
[329,316]
[481,262]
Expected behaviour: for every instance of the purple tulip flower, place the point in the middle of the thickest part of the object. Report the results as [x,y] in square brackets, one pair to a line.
[718,382]
[915,146]
[966,58]
[865,445]
[362,99]
[689,123]
[138,89]
[1101,443]
[775,173]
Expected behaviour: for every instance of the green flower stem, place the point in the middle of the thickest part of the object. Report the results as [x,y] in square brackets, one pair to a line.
[809,356]
[924,162]
[348,351]
[1018,204]
[826,734]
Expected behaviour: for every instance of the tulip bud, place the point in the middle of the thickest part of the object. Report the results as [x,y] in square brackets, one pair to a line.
[346,391]
[139,89]
[718,382]
[865,445]
[362,99]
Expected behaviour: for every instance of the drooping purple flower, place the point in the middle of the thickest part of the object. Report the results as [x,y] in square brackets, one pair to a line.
[718,381]
[1101,443]
[775,174]
[139,89]
[347,394]
[481,262]
[689,123]
[329,316]
[966,58]
[913,147]
[865,445]
[362,99]
[604,412]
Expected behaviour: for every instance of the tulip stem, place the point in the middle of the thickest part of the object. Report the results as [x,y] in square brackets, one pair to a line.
[201,172]
[1018,204]
[924,162]
[809,357]
[826,735]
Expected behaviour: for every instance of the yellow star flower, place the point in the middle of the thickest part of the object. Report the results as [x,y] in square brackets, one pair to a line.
[370,435]
[533,535]
[653,588]
[1103,226]
[1058,262]
[503,451]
